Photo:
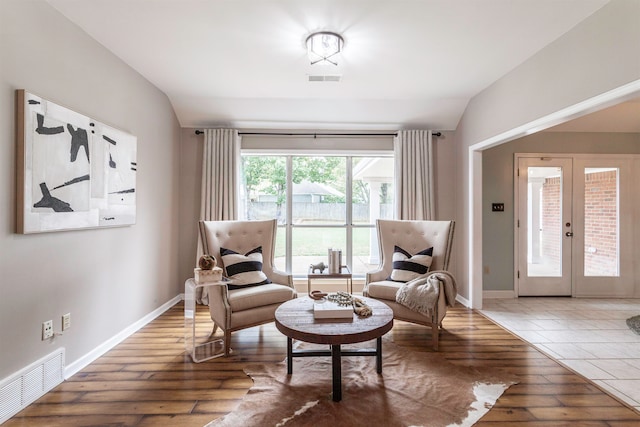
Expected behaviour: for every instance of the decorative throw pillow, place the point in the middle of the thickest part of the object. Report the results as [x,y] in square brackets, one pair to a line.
[243,270]
[408,267]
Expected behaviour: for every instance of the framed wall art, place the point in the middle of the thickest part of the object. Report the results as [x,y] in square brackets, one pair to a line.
[73,172]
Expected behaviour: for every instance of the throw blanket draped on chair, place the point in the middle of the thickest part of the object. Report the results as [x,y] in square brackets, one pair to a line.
[421,294]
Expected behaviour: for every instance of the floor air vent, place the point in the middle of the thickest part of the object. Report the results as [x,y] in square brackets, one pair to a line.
[27,385]
[325,78]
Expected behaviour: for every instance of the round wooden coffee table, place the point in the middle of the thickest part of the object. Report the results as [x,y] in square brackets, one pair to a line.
[295,319]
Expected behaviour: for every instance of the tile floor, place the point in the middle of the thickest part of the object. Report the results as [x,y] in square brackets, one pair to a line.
[589,336]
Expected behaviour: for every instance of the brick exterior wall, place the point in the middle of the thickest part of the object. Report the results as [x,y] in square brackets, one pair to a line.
[551,222]
[601,223]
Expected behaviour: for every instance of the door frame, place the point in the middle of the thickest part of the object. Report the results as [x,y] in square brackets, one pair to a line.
[567,246]
[631,161]
[621,286]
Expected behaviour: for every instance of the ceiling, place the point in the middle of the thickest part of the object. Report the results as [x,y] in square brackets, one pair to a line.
[243,63]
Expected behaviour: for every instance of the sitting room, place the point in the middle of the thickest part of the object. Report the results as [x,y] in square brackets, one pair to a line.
[258,195]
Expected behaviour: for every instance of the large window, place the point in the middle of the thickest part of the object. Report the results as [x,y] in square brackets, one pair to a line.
[320,203]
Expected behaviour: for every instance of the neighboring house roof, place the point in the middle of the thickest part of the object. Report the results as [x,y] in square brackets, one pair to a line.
[306,187]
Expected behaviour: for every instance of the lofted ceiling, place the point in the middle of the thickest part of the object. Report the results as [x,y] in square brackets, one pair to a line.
[243,63]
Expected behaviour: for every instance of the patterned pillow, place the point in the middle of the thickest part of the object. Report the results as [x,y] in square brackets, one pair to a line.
[243,270]
[407,267]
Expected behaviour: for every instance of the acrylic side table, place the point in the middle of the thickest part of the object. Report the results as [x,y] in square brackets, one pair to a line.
[199,351]
[345,273]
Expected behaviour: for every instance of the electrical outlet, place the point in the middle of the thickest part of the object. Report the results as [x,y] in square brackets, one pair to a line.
[47,329]
[66,321]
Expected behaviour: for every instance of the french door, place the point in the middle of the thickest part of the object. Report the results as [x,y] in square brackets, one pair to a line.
[544,226]
[573,226]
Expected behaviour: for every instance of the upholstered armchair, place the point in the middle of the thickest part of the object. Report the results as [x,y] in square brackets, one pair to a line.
[413,237]
[236,306]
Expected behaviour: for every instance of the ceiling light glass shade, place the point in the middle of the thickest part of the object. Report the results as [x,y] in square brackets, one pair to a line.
[323,47]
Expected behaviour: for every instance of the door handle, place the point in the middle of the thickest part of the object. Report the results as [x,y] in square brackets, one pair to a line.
[569,234]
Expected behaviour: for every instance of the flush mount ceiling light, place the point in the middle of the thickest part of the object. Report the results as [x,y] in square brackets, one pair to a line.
[323,47]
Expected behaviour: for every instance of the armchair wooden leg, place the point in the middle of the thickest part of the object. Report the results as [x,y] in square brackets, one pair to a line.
[227,342]
[215,328]
[435,335]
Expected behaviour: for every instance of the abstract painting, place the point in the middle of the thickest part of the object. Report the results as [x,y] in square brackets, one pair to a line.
[73,171]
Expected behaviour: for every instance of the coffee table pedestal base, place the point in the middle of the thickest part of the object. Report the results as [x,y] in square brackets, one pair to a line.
[336,354]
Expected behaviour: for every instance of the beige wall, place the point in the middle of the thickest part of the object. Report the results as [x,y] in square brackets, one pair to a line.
[497,186]
[446,167]
[191,169]
[191,147]
[598,55]
[106,278]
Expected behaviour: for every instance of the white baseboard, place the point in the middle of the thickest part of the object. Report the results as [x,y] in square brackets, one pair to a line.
[498,294]
[462,300]
[94,354]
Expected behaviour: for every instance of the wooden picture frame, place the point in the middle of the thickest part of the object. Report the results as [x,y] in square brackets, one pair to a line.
[73,172]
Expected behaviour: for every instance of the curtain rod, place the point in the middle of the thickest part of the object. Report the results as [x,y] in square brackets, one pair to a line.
[315,135]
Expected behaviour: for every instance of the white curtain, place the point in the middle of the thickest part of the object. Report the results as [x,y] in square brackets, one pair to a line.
[220,180]
[220,163]
[413,152]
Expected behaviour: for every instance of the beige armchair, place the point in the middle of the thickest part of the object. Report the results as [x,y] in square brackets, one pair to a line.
[412,236]
[236,309]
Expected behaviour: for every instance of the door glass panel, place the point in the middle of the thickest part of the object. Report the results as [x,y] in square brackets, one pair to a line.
[544,222]
[601,222]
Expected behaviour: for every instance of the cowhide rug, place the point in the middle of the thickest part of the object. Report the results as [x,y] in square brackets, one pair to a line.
[415,389]
[634,324]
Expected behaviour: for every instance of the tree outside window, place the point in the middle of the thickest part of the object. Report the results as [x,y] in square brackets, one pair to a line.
[319,199]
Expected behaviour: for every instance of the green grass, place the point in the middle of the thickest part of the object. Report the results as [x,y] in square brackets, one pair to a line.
[316,241]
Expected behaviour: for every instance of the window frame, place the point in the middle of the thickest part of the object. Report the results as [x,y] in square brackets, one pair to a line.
[349,226]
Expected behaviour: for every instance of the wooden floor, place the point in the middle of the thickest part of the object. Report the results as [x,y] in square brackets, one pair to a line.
[149,380]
